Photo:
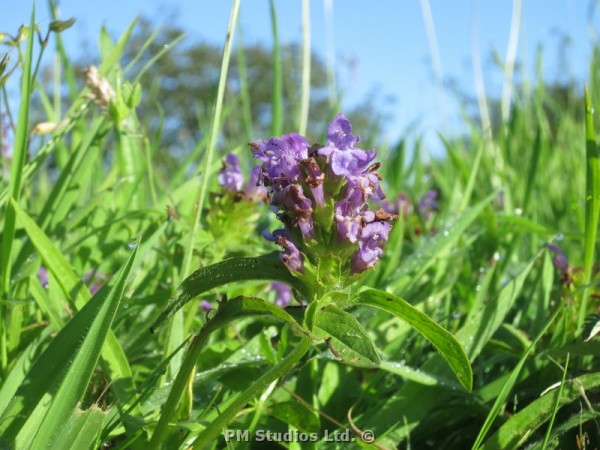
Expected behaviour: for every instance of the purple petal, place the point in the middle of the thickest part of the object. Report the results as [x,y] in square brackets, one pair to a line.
[372,237]
[291,256]
[339,133]
[205,305]
[284,293]
[428,204]
[42,275]
[559,259]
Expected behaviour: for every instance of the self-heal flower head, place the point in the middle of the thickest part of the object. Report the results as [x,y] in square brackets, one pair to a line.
[322,195]
[230,176]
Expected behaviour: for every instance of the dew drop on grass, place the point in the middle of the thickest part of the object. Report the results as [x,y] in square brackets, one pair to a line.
[518,211]
[133,243]
[496,256]
[559,237]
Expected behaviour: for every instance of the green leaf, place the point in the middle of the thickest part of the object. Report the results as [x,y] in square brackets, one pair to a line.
[227,312]
[115,362]
[266,267]
[347,339]
[59,378]
[296,415]
[81,430]
[444,342]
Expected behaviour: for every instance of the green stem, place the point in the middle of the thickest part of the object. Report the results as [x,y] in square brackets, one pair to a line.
[216,427]
[277,104]
[179,386]
[212,141]
[592,203]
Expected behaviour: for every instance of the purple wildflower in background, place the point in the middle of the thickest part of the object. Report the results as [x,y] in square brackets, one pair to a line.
[205,305]
[428,204]
[283,293]
[230,176]
[322,194]
[559,259]
[42,275]
[400,206]
[97,278]
[4,135]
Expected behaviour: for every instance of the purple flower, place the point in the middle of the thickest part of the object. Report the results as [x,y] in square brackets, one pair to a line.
[230,176]
[97,279]
[372,237]
[4,136]
[291,256]
[428,204]
[296,208]
[324,193]
[343,157]
[280,159]
[559,259]
[284,293]
[42,275]
[401,205]
[205,305]
[314,179]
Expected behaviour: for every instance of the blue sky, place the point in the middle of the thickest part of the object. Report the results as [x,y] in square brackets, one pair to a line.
[380,45]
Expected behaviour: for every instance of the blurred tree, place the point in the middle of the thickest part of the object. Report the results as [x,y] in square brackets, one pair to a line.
[183,86]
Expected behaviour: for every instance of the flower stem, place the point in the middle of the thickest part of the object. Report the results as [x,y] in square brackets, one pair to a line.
[179,386]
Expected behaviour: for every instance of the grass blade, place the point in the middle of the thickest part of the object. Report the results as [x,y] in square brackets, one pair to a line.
[212,141]
[306,56]
[510,383]
[592,202]
[444,341]
[58,379]
[520,426]
[277,101]
[16,177]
